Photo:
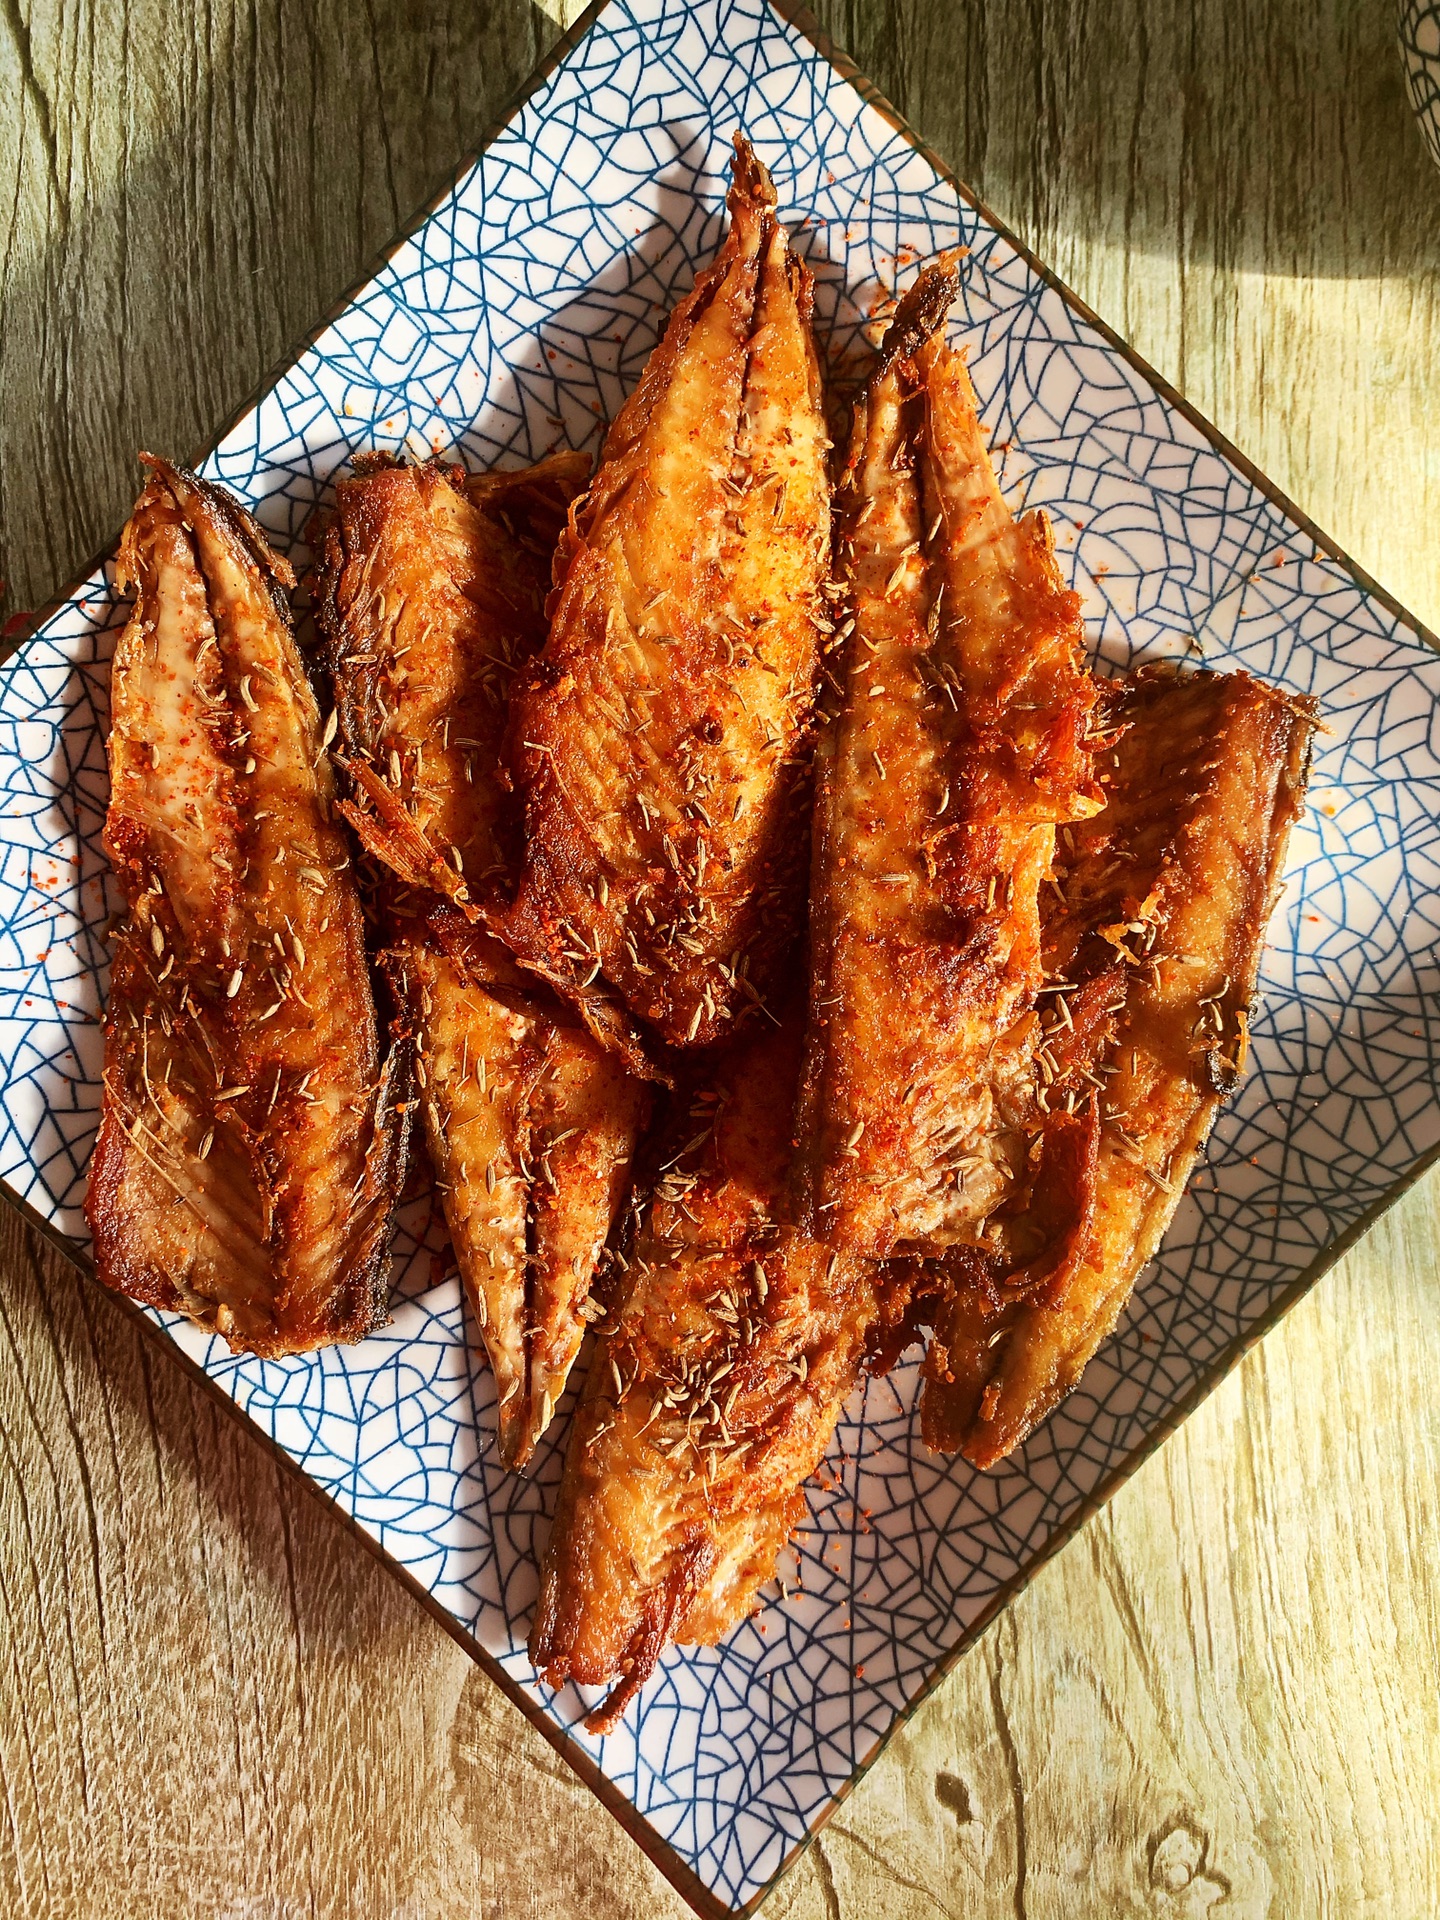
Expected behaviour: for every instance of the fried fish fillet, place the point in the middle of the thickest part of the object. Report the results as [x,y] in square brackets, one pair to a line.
[958,744]
[1152,950]
[251,1140]
[712,1395]
[430,594]
[660,740]
[531,1126]
[451,569]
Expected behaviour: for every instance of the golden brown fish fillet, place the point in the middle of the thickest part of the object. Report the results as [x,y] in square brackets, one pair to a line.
[1152,948]
[449,569]
[430,594]
[531,1126]
[712,1395]
[958,744]
[660,741]
[251,1140]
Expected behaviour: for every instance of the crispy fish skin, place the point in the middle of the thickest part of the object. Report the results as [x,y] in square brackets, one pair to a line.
[531,1125]
[661,739]
[1154,956]
[431,590]
[251,1142]
[712,1395]
[430,595]
[958,744]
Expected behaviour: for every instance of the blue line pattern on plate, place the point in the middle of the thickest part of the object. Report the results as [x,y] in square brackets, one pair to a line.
[1419,29]
[515,320]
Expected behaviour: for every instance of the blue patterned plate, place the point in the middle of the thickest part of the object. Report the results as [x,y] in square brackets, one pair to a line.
[514,319]
[1418,25]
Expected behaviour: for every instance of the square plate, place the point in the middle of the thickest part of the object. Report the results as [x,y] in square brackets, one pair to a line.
[513,318]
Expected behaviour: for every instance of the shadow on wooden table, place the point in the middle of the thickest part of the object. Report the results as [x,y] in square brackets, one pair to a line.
[174,234]
[173,226]
[1260,135]
[145,1684]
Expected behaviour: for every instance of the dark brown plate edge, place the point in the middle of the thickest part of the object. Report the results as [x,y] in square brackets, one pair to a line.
[664,1857]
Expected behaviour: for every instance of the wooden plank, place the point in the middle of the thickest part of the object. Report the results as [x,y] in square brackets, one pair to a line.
[212,1703]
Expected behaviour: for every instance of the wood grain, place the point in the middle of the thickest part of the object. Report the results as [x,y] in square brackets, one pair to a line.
[1222,1695]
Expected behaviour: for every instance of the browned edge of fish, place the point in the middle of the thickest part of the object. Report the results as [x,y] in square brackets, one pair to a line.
[954,740]
[378,805]
[661,741]
[714,1389]
[1158,976]
[429,591]
[252,1140]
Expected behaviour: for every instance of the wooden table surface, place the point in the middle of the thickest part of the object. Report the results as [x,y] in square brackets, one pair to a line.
[1223,1694]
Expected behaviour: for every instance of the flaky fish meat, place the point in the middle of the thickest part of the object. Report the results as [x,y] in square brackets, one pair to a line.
[1152,949]
[957,744]
[252,1139]
[531,1126]
[430,591]
[661,739]
[712,1396]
